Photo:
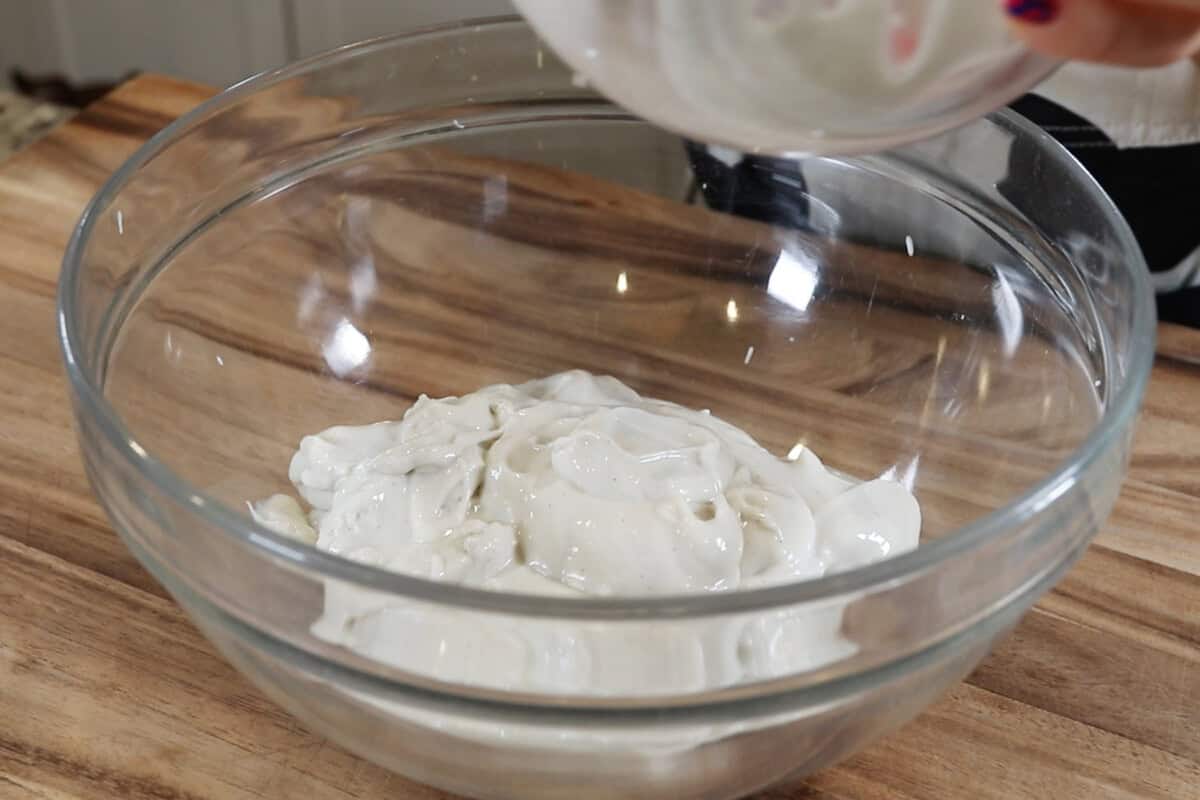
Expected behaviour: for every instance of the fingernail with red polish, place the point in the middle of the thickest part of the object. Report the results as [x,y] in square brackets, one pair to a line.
[1038,12]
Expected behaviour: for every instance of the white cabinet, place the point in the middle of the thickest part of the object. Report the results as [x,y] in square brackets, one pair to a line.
[321,24]
[220,41]
[214,41]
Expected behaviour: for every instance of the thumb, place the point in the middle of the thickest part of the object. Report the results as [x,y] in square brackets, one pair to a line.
[1136,33]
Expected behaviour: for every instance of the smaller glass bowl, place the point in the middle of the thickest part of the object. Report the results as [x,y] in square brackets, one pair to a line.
[795,76]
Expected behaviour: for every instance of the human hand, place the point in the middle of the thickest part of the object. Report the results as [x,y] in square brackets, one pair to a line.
[1134,33]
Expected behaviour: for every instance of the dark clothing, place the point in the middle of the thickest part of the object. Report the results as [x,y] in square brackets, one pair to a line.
[1157,189]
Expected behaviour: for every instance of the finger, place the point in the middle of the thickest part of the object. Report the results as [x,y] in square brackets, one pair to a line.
[1136,33]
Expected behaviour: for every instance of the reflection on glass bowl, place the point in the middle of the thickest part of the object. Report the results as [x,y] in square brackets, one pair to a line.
[443,211]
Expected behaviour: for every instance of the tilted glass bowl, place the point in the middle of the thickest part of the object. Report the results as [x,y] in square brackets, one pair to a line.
[796,76]
[440,211]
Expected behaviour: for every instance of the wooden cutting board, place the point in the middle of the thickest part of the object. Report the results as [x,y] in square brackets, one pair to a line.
[107,691]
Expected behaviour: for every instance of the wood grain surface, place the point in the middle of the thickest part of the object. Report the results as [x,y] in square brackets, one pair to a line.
[107,691]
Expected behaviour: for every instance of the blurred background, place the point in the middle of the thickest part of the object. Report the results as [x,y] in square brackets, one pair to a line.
[215,41]
[59,55]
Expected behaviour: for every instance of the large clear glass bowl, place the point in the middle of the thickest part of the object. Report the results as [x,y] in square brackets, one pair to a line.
[444,210]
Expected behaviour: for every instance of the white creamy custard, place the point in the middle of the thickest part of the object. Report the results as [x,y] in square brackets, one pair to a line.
[782,75]
[575,485]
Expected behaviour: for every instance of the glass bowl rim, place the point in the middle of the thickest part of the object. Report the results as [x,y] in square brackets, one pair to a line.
[91,404]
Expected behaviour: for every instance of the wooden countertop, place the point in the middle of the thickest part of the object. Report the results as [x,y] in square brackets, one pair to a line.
[23,120]
[107,691]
